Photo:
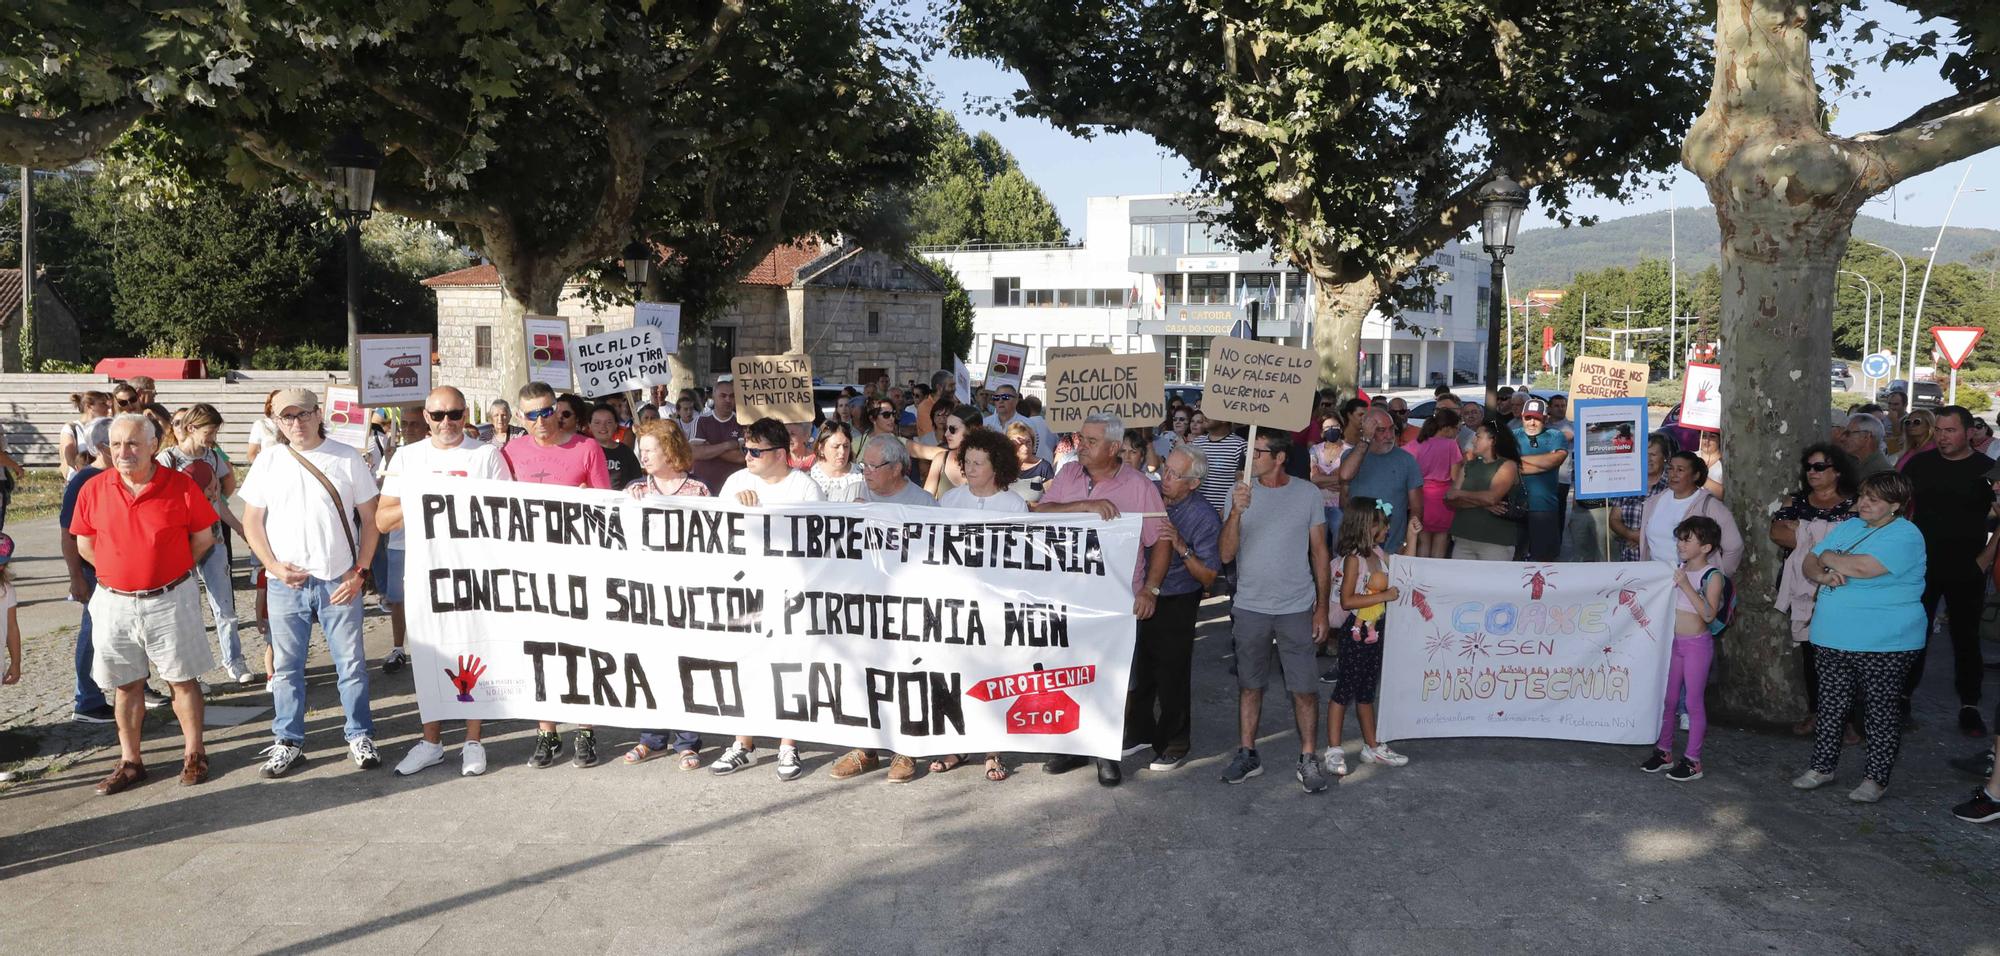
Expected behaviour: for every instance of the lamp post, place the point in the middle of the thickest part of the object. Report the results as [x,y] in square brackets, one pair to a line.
[638,262]
[1902,295]
[1501,203]
[1867,300]
[1917,320]
[354,161]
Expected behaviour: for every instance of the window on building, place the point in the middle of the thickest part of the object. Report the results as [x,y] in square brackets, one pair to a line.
[1444,304]
[1187,358]
[1007,290]
[590,330]
[1207,239]
[874,323]
[1159,238]
[1295,290]
[482,346]
[1208,288]
[1258,287]
[1485,306]
[1402,370]
[721,349]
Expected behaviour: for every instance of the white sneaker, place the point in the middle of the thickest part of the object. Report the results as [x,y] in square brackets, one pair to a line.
[472,763]
[735,758]
[362,751]
[1868,792]
[1335,762]
[1811,780]
[424,754]
[789,766]
[1383,755]
[1684,721]
[240,674]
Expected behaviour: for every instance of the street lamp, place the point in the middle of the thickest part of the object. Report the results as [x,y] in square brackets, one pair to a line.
[1501,203]
[638,262]
[354,161]
[1867,300]
[1902,297]
[1917,321]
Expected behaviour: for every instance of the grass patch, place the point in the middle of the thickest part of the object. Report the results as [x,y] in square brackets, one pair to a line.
[37,495]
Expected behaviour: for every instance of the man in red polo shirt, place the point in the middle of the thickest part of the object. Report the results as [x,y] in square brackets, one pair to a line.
[143,527]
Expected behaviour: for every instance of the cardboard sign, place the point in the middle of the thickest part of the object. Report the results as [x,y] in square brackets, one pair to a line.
[774,386]
[1132,387]
[346,420]
[1257,383]
[620,361]
[1052,353]
[1610,449]
[545,338]
[1607,378]
[1005,363]
[665,316]
[1701,398]
[394,369]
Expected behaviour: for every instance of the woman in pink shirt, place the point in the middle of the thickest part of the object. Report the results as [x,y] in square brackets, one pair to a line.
[1437,450]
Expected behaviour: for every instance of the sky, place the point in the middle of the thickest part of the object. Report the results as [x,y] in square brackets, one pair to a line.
[1070,170]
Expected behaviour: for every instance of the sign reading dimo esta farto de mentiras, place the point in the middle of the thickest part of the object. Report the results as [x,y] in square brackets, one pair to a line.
[915,629]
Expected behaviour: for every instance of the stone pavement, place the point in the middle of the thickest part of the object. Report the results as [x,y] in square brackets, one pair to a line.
[1478,846]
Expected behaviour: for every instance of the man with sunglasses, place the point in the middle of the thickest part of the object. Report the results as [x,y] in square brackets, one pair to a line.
[448,451]
[552,456]
[1006,411]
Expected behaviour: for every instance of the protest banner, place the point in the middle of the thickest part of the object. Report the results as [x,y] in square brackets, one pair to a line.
[394,369]
[1701,398]
[546,339]
[1610,447]
[962,380]
[1053,352]
[1005,362]
[1607,378]
[346,419]
[665,316]
[1257,383]
[774,386]
[1132,387]
[620,361]
[1502,649]
[912,629]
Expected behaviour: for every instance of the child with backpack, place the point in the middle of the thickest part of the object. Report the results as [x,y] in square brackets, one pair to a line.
[1363,589]
[1701,611]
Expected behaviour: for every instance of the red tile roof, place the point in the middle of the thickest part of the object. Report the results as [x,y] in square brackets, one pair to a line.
[778,268]
[479,275]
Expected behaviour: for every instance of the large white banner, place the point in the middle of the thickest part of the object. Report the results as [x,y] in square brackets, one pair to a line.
[1500,649]
[922,630]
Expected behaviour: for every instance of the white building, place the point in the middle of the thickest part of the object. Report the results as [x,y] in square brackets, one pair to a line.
[1151,277]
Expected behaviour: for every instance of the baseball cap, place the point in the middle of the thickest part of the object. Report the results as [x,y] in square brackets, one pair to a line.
[304,399]
[1535,408]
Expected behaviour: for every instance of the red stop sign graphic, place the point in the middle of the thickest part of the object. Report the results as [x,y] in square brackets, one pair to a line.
[1050,712]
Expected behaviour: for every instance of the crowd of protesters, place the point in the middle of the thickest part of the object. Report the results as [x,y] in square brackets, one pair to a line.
[1886,537]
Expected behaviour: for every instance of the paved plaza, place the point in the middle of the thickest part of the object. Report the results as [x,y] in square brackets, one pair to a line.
[1478,846]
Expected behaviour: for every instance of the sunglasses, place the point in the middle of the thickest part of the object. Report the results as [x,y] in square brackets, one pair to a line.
[448,414]
[758,452]
[954,430]
[538,414]
[565,414]
[1004,398]
[1819,466]
[882,413]
[1907,422]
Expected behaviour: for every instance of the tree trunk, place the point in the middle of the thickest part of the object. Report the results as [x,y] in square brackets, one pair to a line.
[1339,306]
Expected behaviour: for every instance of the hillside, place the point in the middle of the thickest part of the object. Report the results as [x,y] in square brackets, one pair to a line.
[1549,257]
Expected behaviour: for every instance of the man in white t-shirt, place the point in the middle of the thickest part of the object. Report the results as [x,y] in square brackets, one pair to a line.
[1006,399]
[766,479]
[317,559]
[448,451]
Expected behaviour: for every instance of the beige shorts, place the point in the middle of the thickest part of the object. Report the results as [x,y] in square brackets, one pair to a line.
[130,636]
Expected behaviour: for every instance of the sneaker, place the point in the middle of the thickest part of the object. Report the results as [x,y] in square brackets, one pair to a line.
[1811,780]
[156,700]
[1982,808]
[284,755]
[1334,761]
[472,762]
[1978,764]
[424,754]
[362,751]
[1309,774]
[1685,771]
[240,674]
[585,743]
[1683,720]
[1970,723]
[548,747]
[1167,761]
[1868,792]
[1131,749]
[902,769]
[1243,767]
[94,715]
[395,660]
[1660,760]
[789,766]
[854,763]
[1383,755]
[735,758]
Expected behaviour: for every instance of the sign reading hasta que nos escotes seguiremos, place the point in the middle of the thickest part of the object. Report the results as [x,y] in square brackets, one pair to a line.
[913,629]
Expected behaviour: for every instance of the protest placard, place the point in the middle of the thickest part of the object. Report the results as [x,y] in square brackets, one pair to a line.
[1701,397]
[1610,447]
[774,386]
[546,338]
[665,316]
[1050,354]
[1132,387]
[346,419]
[1257,383]
[1607,378]
[911,629]
[620,361]
[1004,364]
[394,369]
[1500,649]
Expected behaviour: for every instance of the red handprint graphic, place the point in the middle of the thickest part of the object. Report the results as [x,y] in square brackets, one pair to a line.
[468,674]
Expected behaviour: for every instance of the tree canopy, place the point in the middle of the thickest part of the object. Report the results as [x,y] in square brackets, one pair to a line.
[974,191]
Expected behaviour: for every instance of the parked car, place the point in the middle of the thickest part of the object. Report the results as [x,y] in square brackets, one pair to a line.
[1422,412]
[1922,394]
[1843,378]
[1187,393]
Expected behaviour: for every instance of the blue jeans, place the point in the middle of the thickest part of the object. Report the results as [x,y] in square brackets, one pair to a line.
[656,740]
[292,613]
[215,579]
[89,696]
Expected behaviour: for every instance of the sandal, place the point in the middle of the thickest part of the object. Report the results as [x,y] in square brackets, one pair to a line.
[690,760]
[995,770]
[639,754]
[947,763]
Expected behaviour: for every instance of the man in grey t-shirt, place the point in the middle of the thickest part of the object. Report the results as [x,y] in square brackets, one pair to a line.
[1276,534]
[1376,468]
[884,462]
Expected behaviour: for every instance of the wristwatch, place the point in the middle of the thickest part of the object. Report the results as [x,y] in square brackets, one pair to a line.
[1154,591]
[1186,552]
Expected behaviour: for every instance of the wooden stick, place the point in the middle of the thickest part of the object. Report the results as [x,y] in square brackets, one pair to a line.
[1249,454]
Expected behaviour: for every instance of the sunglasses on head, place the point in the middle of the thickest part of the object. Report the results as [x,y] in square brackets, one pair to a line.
[1819,466]
[446,414]
[537,414]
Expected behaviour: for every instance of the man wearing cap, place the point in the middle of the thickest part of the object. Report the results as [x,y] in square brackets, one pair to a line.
[317,561]
[143,527]
[94,443]
[1543,450]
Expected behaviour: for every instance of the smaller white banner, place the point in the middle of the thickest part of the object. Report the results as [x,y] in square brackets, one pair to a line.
[665,316]
[620,361]
[1701,398]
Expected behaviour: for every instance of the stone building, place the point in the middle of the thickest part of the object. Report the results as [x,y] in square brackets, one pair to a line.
[859,313]
[55,324]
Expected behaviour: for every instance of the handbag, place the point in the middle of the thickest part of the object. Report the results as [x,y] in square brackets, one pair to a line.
[339,506]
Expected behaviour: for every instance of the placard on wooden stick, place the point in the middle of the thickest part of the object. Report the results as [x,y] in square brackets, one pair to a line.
[1607,378]
[774,386]
[1132,387]
[1259,384]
